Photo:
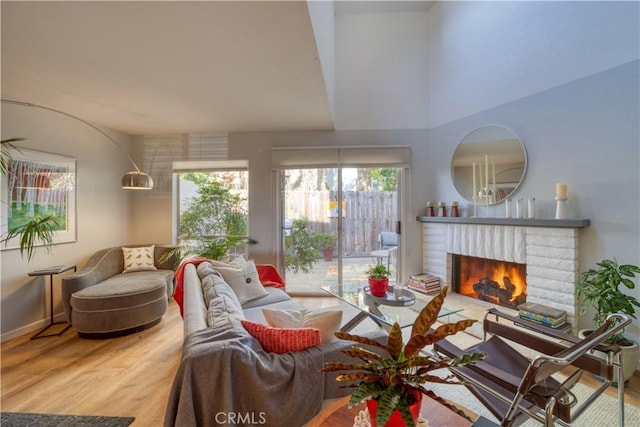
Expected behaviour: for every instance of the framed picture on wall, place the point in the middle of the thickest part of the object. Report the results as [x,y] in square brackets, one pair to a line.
[39,184]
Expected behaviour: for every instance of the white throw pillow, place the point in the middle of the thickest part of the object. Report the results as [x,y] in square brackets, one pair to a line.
[243,278]
[138,259]
[327,321]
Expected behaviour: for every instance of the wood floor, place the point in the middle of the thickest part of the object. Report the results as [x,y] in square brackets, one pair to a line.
[127,376]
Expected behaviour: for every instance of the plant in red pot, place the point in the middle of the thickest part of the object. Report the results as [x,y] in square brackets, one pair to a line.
[397,382]
[378,280]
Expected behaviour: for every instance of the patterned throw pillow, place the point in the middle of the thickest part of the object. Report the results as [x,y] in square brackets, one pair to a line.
[282,340]
[138,259]
[327,321]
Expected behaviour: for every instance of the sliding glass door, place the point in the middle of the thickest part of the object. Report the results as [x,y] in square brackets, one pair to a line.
[333,223]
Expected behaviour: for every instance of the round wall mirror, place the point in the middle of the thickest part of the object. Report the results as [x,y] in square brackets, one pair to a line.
[488,165]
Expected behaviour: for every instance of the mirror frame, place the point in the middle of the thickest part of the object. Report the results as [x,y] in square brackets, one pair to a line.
[469,151]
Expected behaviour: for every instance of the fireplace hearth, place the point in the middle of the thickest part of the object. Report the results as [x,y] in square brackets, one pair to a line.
[494,281]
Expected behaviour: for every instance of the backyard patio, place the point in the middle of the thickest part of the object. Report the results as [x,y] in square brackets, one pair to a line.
[326,273]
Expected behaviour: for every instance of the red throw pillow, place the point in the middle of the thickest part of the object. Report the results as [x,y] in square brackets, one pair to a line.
[283,340]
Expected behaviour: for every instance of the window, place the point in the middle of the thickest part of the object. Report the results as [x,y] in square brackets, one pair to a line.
[211,208]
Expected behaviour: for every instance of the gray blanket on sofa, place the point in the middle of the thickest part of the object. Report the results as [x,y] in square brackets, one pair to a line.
[243,385]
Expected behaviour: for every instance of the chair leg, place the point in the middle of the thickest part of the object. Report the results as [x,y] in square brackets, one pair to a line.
[619,369]
[511,412]
[548,412]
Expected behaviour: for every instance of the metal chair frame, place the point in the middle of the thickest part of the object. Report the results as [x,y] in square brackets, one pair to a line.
[559,350]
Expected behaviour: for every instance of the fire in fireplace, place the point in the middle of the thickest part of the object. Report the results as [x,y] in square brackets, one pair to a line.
[498,282]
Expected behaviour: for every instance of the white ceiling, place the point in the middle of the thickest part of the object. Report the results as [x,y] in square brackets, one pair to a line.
[167,67]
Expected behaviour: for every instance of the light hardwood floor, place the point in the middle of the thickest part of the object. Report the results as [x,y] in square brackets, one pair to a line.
[127,376]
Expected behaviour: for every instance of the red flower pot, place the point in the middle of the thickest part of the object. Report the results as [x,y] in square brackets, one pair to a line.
[395,420]
[378,287]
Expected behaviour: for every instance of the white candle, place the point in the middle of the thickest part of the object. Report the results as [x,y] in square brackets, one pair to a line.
[474,182]
[480,176]
[486,175]
[519,211]
[561,191]
[493,176]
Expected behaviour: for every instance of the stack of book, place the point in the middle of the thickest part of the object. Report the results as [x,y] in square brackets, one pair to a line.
[425,283]
[543,315]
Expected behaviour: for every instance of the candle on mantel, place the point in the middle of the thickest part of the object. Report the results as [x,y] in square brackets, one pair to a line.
[474,183]
[486,176]
[493,176]
[561,191]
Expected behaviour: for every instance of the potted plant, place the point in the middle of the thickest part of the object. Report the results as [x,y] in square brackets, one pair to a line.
[599,288]
[210,247]
[378,280]
[301,248]
[327,244]
[392,382]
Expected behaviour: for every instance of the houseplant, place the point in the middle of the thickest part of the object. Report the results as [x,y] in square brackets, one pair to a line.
[392,384]
[600,289]
[378,280]
[301,249]
[38,230]
[327,244]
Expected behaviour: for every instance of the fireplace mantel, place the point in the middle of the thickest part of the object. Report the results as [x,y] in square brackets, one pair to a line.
[524,222]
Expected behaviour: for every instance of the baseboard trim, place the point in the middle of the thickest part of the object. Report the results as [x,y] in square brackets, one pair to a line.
[32,327]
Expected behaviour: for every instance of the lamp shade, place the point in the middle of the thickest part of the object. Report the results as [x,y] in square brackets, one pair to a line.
[136,180]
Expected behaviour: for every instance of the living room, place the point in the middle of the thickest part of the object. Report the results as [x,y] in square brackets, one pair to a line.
[563,76]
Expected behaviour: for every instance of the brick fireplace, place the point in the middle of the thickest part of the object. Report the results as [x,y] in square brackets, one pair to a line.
[550,253]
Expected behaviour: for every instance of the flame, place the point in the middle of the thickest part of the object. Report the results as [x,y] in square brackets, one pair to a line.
[494,270]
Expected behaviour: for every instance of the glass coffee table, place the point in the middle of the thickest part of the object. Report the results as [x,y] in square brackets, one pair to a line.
[401,306]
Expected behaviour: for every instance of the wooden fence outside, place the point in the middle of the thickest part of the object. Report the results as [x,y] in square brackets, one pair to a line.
[365,215]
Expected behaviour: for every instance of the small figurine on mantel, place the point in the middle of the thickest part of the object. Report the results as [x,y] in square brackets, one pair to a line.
[442,209]
[455,212]
[430,210]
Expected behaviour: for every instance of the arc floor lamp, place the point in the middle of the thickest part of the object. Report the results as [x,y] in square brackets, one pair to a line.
[134,180]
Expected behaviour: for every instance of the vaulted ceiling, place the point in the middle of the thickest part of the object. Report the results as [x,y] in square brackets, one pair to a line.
[168,67]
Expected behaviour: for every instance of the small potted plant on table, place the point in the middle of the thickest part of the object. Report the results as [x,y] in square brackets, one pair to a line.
[599,288]
[378,280]
[393,386]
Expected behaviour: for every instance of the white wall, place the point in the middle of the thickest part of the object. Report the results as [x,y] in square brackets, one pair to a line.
[102,211]
[381,70]
[484,54]
[419,69]
[322,20]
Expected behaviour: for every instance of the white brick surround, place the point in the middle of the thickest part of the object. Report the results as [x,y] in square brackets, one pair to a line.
[550,254]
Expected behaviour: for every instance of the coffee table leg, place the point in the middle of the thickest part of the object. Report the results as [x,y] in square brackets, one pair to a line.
[354,322]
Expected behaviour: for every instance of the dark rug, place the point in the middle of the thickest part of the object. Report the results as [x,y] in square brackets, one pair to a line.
[19,419]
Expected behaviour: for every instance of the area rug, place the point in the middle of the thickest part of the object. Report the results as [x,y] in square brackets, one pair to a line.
[21,419]
[602,413]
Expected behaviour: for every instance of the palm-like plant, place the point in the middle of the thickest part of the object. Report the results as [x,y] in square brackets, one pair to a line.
[38,229]
[7,146]
[394,381]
